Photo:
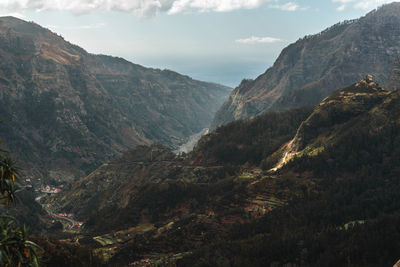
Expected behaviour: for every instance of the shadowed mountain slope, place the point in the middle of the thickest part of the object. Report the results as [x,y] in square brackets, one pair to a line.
[345,157]
[333,199]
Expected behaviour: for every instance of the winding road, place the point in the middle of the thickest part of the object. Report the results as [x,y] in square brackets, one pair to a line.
[72,222]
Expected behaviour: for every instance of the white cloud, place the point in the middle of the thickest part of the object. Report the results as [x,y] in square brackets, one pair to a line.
[82,27]
[214,5]
[179,6]
[290,6]
[371,4]
[141,8]
[360,4]
[341,7]
[257,40]
[13,14]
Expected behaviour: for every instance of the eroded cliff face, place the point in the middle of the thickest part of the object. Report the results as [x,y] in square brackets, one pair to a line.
[315,66]
[66,111]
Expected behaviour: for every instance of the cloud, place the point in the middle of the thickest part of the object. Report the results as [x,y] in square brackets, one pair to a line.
[360,4]
[258,40]
[141,8]
[13,14]
[341,8]
[82,27]
[180,6]
[290,6]
[370,4]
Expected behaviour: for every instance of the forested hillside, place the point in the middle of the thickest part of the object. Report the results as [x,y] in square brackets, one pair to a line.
[322,189]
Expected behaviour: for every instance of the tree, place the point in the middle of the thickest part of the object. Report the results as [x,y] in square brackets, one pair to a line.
[7,180]
[15,248]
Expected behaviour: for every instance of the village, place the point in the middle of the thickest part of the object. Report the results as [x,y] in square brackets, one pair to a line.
[66,219]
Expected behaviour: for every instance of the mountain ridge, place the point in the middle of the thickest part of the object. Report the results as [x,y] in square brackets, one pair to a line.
[311,68]
[341,181]
[75,110]
[335,112]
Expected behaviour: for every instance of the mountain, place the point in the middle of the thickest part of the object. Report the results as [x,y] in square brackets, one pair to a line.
[345,157]
[316,65]
[326,192]
[29,213]
[150,199]
[334,116]
[152,178]
[66,111]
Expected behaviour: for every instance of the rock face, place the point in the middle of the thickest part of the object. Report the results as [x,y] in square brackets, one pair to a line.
[66,111]
[394,80]
[315,66]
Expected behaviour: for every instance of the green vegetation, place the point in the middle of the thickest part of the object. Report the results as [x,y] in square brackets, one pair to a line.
[15,248]
[249,141]
[219,210]
[355,176]
[334,201]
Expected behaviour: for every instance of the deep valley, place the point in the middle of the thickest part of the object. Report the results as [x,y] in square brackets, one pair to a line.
[123,165]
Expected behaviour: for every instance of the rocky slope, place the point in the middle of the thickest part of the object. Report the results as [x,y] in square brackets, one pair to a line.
[348,151]
[344,159]
[313,67]
[141,177]
[336,190]
[337,113]
[66,111]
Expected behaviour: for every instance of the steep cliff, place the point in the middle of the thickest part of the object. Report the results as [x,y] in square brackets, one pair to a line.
[66,111]
[316,65]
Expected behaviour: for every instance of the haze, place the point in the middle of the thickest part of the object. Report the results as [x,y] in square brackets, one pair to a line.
[219,41]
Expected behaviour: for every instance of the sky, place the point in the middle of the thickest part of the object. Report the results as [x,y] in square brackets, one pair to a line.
[221,41]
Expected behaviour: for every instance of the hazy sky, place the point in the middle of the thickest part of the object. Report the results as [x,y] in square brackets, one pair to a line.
[215,40]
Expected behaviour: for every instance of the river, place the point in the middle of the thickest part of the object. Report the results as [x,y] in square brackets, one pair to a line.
[192,141]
